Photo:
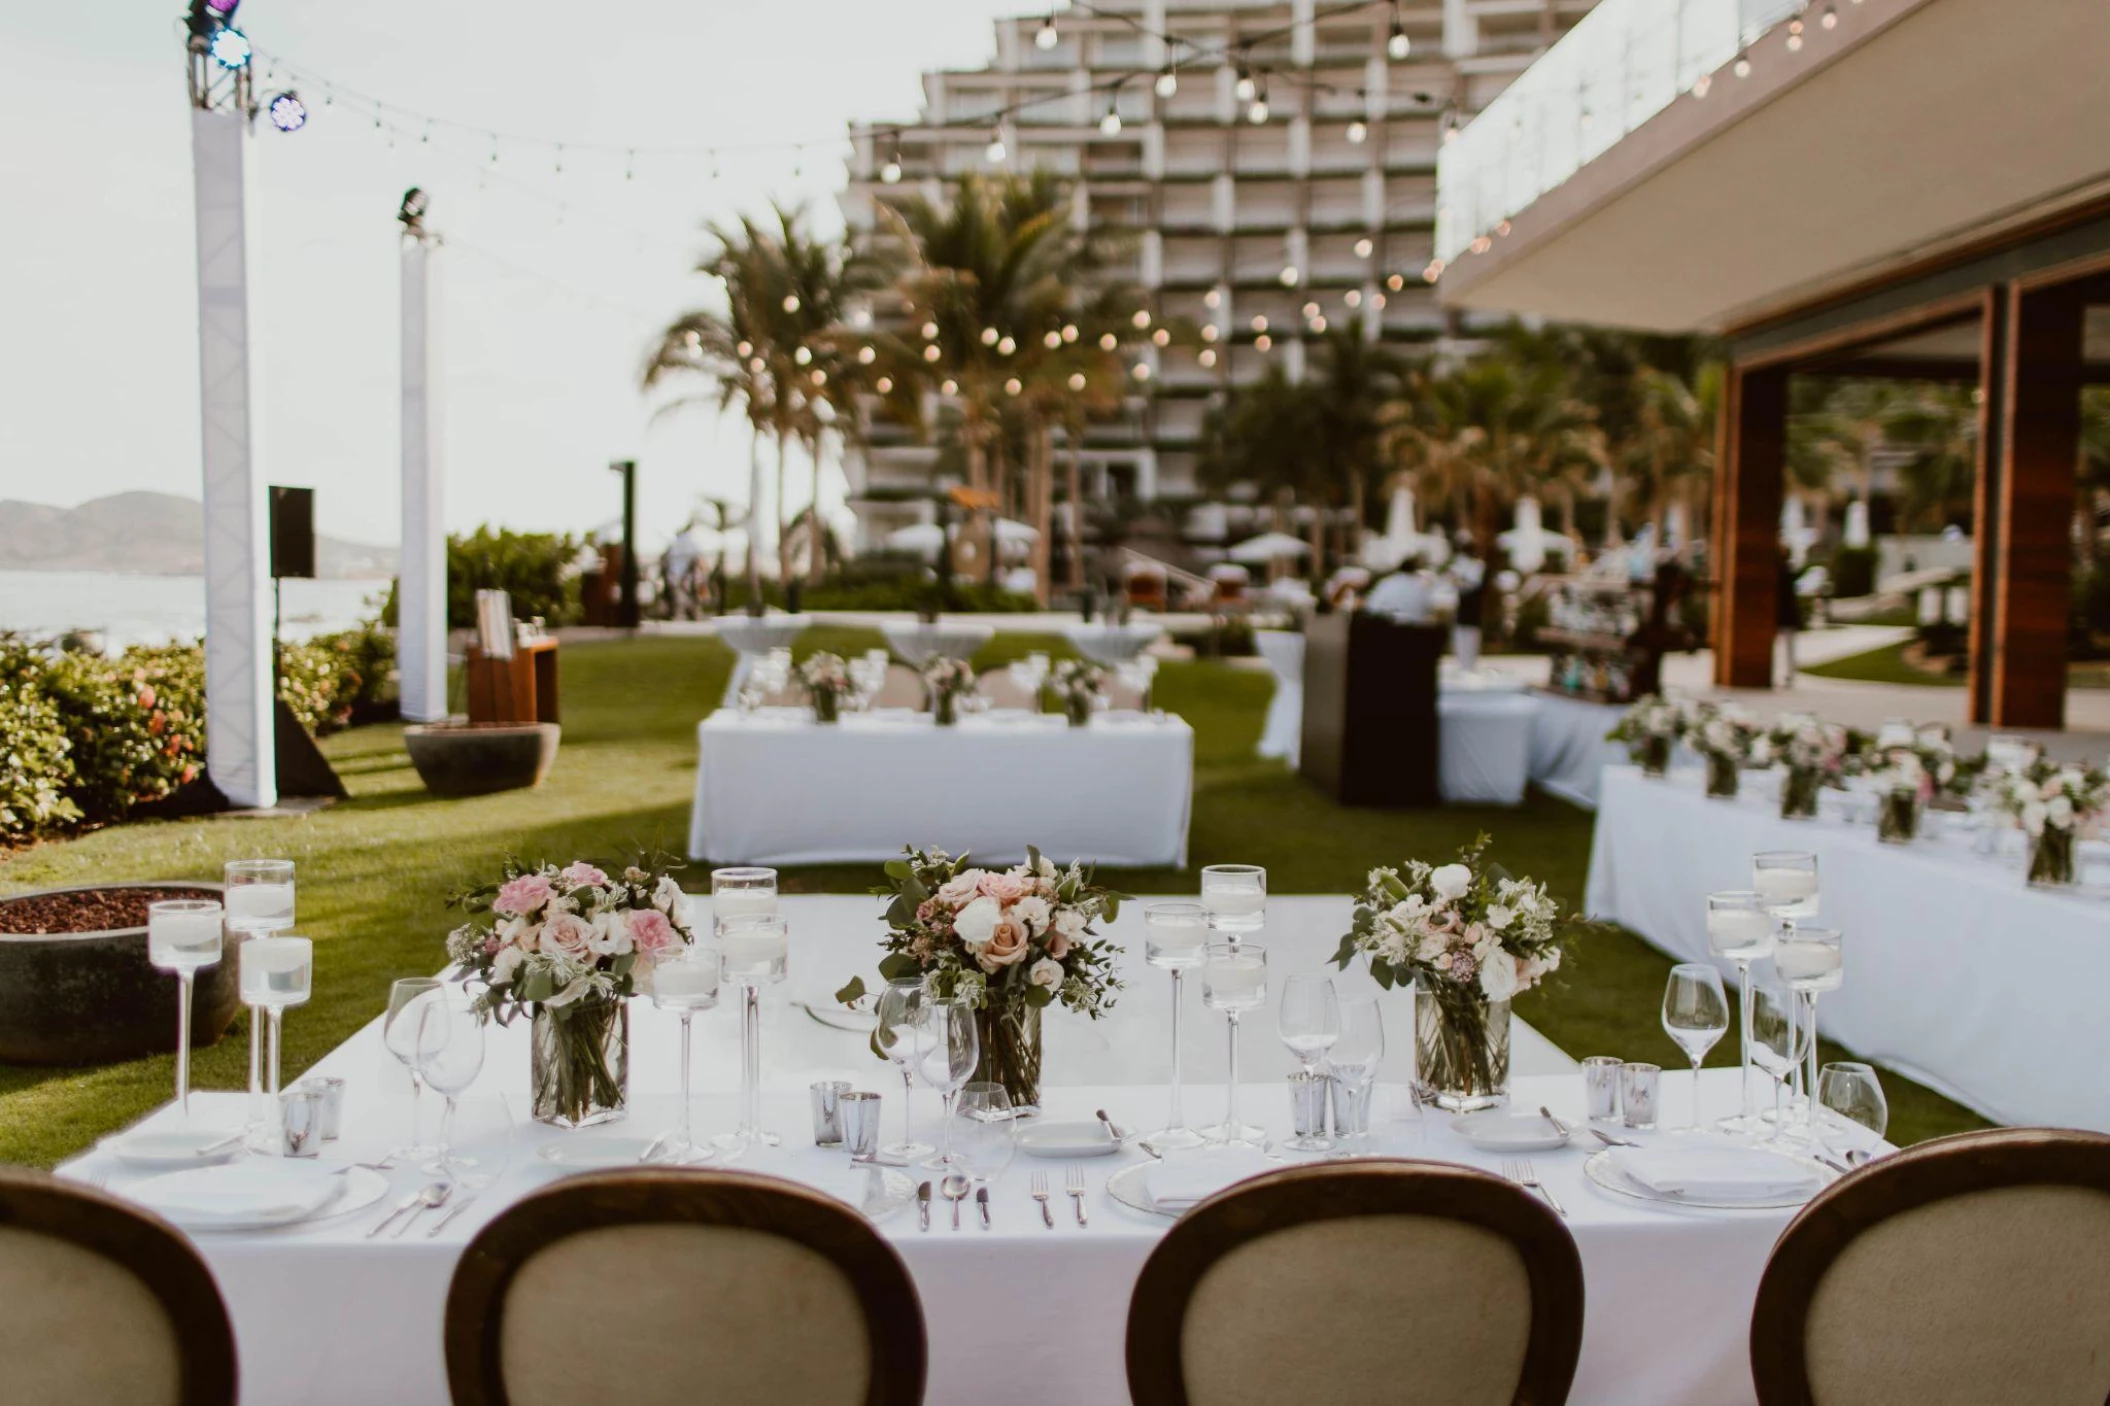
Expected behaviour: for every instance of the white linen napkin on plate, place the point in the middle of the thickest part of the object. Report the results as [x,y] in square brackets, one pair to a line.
[1187,1177]
[1715,1172]
[253,1191]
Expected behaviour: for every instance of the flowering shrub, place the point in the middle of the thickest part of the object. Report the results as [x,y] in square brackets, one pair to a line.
[35,765]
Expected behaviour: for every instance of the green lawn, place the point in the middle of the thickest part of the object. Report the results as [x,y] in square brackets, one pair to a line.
[375,870]
[1885,665]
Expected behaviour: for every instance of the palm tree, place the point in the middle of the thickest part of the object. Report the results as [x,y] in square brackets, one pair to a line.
[1353,379]
[1669,458]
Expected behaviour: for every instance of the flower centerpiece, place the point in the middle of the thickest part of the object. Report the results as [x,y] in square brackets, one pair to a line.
[825,678]
[1078,683]
[1649,728]
[1470,938]
[568,947]
[1723,738]
[2051,803]
[947,681]
[1903,784]
[1010,942]
[1812,755]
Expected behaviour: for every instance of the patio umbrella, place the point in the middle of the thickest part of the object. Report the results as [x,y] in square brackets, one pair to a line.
[1269,546]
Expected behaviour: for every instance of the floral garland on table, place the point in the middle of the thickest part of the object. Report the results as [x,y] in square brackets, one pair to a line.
[947,681]
[1650,728]
[1724,737]
[1812,754]
[1078,683]
[826,681]
[2052,803]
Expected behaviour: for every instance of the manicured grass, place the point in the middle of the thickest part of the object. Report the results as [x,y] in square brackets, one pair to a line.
[1885,665]
[376,870]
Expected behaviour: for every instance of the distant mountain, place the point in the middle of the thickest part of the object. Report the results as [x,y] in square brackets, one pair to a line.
[154,534]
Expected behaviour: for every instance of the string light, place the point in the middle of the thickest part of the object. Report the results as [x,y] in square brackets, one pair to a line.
[1396,43]
[1794,35]
[1247,88]
[866,356]
[1257,113]
[891,172]
[1047,38]
[803,356]
[1742,67]
[930,331]
[1208,357]
[1377,300]
[1069,332]
[1209,332]
[1013,386]
[1076,380]
[1353,297]
[1357,131]
[1396,282]
[1363,247]
[1168,82]
[1263,342]
[1702,84]
[1110,124]
[1161,337]
[988,336]
[791,302]
[884,385]
[1142,371]
[745,349]
[1433,272]
[1052,341]
[1830,18]
[1212,299]
[1311,309]
[1142,318]
[1318,324]
[1260,324]
[995,150]
[948,387]
[1108,341]
[1289,275]
[820,377]
[1005,346]
[931,352]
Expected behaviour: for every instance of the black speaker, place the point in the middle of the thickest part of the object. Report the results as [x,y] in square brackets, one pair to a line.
[292,532]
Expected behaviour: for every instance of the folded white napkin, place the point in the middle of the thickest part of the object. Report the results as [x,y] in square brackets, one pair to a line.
[1187,1177]
[254,1191]
[1715,1172]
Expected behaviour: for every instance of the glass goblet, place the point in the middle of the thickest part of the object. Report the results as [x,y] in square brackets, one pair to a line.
[1174,938]
[753,952]
[1852,1095]
[984,1130]
[415,1025]
[1810,960]
[899,1010]
[258,897]
[1308,1018]
[1695,1016]
[950,1047]
[183,935]
[479,1139]
[1776,1041]
[1234,981]
[450,1066]
[276,972]
[1353,1060]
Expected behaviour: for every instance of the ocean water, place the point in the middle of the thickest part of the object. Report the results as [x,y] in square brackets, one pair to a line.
[127,609]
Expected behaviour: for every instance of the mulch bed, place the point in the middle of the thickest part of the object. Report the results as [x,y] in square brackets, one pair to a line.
[87,910]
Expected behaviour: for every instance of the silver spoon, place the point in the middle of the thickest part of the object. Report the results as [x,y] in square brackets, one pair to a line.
[430,1195]
[954,1188]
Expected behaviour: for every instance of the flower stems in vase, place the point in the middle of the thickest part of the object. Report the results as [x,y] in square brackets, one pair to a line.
[1799,787]
[2051,857]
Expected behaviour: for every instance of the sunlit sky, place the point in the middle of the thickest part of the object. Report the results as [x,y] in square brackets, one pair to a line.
[553,283]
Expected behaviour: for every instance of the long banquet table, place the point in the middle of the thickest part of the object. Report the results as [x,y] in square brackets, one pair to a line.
[1957,973]
[324,1316]
[774,787]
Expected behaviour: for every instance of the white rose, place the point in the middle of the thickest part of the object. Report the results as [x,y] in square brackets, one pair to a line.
[1451,881]
[1045,972]
[1033,912]
[1409,910]
[505,964]
[1432,946]
[2059,811]
[611,934]
[1069,922]
[976,923]
[668,897]
[1498,976]
[1499,917]
[2034,815]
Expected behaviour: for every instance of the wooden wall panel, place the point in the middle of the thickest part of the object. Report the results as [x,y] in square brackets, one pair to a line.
[1752,456]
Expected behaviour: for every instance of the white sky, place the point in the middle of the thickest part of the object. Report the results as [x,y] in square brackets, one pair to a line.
[548,310]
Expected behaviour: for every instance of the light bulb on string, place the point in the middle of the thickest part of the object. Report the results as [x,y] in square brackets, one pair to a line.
[1353,297]
[745,348]
[866,356]
[820,377]
[1052,341]
[1076,380]
[803,356]
[1702,85]
[1257,113]
[988,336]
[1209,332]
[1358,131]
[1318,324]
[1212,299]
[1014,386]
[1260,324]
[1110,125]
[1262,342]
[1396,282]
[1046,38]
[1142,371]
[1311,310]
[1397,45]
[1363,247]
[1830,18]
[1005,346]
[1161,337]
[1108,341]
[1377,300]
[1141,319]
[1246,88]
[884,385]
[1168,83]
[995,150]
[1289,276]
[791,302]
[891,172]
[1069,331]
[1207,357]
[1742,67]
[948,387]
[931,352]
[930,331]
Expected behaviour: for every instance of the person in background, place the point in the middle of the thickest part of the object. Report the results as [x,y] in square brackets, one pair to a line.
[1469,574]
[1787,610]
[679,565]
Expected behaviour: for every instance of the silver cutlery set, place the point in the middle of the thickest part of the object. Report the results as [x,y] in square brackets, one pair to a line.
[955,1187]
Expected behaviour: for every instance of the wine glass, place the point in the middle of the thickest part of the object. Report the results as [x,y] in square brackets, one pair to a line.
[416,1024]
[276,972]
[949,1048]
[1740,927]
[182,936]
[1308,1018]
[257,895]
[1776,1039]
[1234,981]
[450,1065]
[1353,1059]
[984,1130]
[684,981]
[1695,1015]
[1174,935]
[1810,961]
[1236,897]
[479,1138]
[899,1007]
[753,952]
[1850,1090]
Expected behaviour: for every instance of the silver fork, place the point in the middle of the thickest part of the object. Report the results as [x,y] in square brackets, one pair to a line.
[1522,1173]
[1073,1182]
[1040,1194]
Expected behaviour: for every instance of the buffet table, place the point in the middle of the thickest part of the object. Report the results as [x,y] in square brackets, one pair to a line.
[325,1317]
[1484,740]
[774,787]
[1568,747]
[1957,973]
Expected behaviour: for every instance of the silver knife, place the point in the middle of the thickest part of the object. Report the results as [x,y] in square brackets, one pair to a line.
[400,1207]
[923,1206]
[452,1211]
[981,1198]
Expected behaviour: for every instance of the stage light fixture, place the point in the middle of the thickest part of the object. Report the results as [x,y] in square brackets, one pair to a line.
[288,112]
[229,48]
[411,210]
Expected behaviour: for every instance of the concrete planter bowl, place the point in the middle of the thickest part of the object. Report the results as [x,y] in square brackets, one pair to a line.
[92,998]
[475,759]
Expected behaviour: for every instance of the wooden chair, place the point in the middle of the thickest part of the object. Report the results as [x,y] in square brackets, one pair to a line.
[105,1305]
[1967,1269]
[1393,1282]
[651,1288]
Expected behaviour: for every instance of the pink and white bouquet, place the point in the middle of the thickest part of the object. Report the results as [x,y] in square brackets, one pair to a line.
[1467,927]
[1811,755]
[1723,736]
[1650,728]
[2053,803]
[825,680]
[1080,684]
[947,681]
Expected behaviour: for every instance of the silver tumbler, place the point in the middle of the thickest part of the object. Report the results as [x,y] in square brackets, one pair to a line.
[332,1091]
[859,1113]
[827,1119]
[300,1122]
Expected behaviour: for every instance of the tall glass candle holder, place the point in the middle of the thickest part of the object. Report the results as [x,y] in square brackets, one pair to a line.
[747,892]
[685,982]
[184,935]
[258,901]
[1740,927]
[1235,896]
[1811,961]
[753,952]
[1175,940]
[1234,981]
[276,972]
[1787,880]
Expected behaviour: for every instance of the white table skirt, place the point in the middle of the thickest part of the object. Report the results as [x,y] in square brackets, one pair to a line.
[1486,744]
[1957,973]
[1283,734]
[777,788]
[1568,749]
[324,1317]
[1112,644]
[915,643]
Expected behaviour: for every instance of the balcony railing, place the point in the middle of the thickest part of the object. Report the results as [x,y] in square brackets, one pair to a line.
[1622,64]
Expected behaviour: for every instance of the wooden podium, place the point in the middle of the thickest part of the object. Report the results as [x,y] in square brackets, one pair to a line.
[1370,722]
[522,689]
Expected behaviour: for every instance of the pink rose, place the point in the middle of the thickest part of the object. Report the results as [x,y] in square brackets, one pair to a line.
[582,875]
[957,890]
[651,934]
[569,937]
[1058,946]
[1007,944]
[522,896]
[1004,888]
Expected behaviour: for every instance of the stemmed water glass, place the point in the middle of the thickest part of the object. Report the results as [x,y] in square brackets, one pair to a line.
[899,1008]
[948,1048]
[1174,935]
[183,935]
[450,1066]
[685,981]
[1776,1039]
[1695,1015]
[479,1139]
[1308,1018]
[753,952]
[1234,981]
[1740,927]
[984,1130]
[416,1025]
[257,897]
[1235,896]
[1851,1090]
[276,972]
[1810,960]
[1353,1061]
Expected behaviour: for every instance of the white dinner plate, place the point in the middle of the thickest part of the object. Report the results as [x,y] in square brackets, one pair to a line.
[1509,1132]
[886,1191]
[1065,1140]
[595,1153]
[352,1190]
[1604,1169]
[1131,1187]
[168,1150]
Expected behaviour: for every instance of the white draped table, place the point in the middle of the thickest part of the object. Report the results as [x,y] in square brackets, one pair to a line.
[1283,734]
[1957,973]
[916,642]
[775,787]
[325,1317]
[751,638]
[1568,750]
[1485,723]
[1109,643]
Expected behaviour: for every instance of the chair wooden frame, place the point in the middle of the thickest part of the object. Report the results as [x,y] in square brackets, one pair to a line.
[893,1311]
[152,1251]
[1932,1171]
[1377,1187]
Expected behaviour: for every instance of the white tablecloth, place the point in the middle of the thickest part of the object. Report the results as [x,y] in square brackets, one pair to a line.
[1568,749]
[751,637]
[324,1317]
[1486,745]
[1283,735]
[1957,973]
[777,788]
[915,643]
[1113,643]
